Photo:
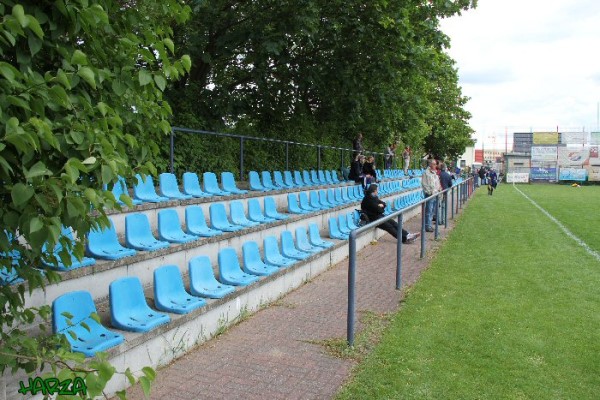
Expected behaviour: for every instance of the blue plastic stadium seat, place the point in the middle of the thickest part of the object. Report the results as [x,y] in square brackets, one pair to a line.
[328,177]
[315,202]
[228,183]
[120,188]
[255,212]
[334,177]
[344,194]
[230,271]
[9,276]
[253,264]
[138,234]
[104,243]
[267,181]
[128,308]
[170,294]
[191,185]
[254,182]
[314,177]
[306,178]
[75,263]
[323,199]
[218,219]
[238,215]
[272,254]
[305,203]
[211,186]
[331,198]
[322,178]
[195,223]
[293,206]
[315,238]
[334,230]
[288,179]
[278,180]
[144,190]
[337,195]
[203,282]
[90,336]
[169,188]
[288,247]
[298,180]
[271,209]
[350,222]
[303,243]
[169,227]
[343,224]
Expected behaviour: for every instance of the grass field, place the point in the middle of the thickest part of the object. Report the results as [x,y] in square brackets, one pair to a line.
[509,309]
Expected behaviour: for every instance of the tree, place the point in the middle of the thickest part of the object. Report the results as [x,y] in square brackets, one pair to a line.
[81,102]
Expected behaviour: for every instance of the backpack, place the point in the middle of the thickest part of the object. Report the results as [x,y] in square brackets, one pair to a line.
[363,219]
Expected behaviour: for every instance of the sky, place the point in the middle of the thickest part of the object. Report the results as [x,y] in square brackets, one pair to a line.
[528,66]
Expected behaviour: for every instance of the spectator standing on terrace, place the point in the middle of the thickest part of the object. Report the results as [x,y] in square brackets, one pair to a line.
[373,207]
[357,145]
[406,158]
[369,171]
[431,187]
[356,169]
[482,175]
[446,182]
[390,152]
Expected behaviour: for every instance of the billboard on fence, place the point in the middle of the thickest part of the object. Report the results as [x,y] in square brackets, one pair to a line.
[595,138]
[572,174]
[545,137]
[543,174]
[544,153]
[517,177]
[593,174]
[568,157]
[572,137]
[594,158]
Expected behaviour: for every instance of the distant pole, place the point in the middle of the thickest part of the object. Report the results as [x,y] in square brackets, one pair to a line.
[505,140]
[598,115]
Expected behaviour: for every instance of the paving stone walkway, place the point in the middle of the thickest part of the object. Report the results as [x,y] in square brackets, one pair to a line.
[273,355]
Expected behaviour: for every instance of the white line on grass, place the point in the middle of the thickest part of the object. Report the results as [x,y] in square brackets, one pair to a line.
[570,234]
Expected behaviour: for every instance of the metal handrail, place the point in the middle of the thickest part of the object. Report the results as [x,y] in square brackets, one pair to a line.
[462,196]
[242,138]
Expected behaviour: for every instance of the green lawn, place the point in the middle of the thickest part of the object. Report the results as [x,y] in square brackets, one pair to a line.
[509,309]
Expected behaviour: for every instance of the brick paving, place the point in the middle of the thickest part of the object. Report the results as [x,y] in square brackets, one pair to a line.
[272,354]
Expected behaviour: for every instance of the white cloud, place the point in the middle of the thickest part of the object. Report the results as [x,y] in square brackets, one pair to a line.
[528,65]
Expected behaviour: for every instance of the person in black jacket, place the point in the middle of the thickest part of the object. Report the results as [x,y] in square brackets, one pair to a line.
[356,169]
[373,207]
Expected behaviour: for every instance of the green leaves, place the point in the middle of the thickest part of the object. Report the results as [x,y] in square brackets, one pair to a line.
[21,194]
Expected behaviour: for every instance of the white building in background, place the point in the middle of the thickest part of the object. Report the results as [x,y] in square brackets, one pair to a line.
[468,158]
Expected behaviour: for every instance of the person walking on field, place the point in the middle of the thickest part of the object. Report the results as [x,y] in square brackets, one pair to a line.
[406,158]
[492,181]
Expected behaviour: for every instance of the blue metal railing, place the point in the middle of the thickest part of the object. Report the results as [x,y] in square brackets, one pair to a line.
[287,143]
[462,191]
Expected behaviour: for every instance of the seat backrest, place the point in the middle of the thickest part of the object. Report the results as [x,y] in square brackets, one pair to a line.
[270,206]
[237,211]
[167,281]
[218,214]
[168,221]
[210,182]
[287,241]
[266,179]
[251,253]
[201,270]
[301,237]
[168,184]
[228,260]
[228,181]
[314,199]
[323,197]
[328,177]
[278,178]
[334,176]
[254,180]
[313,231]
[144,186]
[271,247]
[314,178]
[194,217]
[105,237]
[321,176]
[126,294]
[254,209]
[191,182]
[137,226]
[333,226]
[119,188]
[79,304]
[306,177]
[288,178]
[298,179]
[304,200]
[293,203]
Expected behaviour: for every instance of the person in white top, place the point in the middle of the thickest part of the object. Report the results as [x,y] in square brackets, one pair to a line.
[430,182]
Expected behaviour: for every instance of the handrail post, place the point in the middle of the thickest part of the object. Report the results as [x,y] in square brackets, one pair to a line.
[172,155]
[287,156]
[399,253]
[446,209]
[318,157]
[351,284]
[241,158]
[437,217]
[452,205]
[341,161]
[423,208]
